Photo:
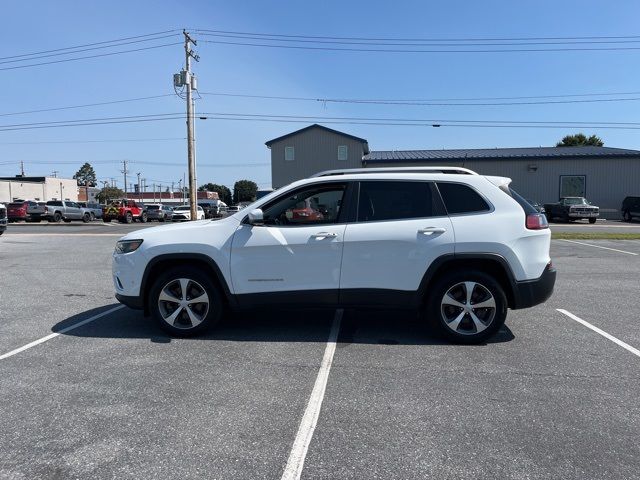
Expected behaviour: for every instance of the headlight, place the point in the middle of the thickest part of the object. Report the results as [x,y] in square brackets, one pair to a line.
[127,246]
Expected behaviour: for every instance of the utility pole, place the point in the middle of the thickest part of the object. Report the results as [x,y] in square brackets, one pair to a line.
[125,171]
[22,168]
[139,191]
[55,173]
[113,182]
[172,190]
[186,79]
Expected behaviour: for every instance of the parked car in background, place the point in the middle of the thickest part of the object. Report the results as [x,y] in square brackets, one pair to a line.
[537,205]
[630,208]
[3,218]
[35,211]
[17,211]
[94,208]
[183,212]
[210,207]
[572,208]
[233,209]
[57,210]
[161,213]
[125,211]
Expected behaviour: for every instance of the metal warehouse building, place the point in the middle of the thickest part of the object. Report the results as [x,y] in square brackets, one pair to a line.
[601,174]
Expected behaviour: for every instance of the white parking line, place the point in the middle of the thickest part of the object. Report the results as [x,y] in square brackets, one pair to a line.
[624,345]
[293,469]
[64,330]
[598,246]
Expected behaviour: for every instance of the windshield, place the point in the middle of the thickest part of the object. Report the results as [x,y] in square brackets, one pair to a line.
[182,209]
[54,203]
[576,201]
[153,207]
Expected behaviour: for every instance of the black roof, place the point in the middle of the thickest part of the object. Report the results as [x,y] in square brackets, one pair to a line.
[326,129]
[19,178]
[532,153]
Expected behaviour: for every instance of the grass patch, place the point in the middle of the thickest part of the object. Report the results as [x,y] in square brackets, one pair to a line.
[594,236]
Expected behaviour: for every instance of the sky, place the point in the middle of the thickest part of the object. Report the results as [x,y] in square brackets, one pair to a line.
[229,150]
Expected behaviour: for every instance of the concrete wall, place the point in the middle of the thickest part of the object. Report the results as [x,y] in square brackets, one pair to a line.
[608,181]
[315,150]
[40,191]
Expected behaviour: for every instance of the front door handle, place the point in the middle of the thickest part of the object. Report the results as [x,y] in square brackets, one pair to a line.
[432,230]
[325,235]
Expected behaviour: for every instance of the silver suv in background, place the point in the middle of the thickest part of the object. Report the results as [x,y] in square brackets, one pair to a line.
[57,210]
[161,213]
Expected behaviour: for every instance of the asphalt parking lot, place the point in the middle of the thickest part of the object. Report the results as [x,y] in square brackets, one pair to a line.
[548,397]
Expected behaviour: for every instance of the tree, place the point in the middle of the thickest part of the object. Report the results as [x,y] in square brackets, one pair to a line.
[244,191]
[86,176]
[579,140]
[109,193]
[224,193]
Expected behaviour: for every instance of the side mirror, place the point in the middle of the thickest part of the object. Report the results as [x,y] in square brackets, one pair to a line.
[256,217]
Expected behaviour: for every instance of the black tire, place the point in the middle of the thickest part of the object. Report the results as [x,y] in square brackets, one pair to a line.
[465,333]
[182,326]
[128,218]
[592,220]
[106,220]
[57,216]
[143,217]
[626,216]
[86,218]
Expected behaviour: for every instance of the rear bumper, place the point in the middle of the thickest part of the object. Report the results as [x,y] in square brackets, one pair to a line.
[130,301]
[533,292]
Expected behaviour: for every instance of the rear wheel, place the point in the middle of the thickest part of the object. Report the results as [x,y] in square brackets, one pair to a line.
[467,307]
[626,216]
[57,217]
[128,218]
[86,218]
[184,302]
[143,217]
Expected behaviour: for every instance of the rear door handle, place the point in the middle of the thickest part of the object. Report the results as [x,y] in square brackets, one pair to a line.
[432,230]
[325,235]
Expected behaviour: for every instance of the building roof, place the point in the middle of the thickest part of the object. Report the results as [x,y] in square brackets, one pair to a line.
[326,129]
[533,153]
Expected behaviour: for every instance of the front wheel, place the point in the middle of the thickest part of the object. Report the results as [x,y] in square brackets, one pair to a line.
[184,302]
[467,307]
[592,220]
[86,218]
[626,216]
[128,218]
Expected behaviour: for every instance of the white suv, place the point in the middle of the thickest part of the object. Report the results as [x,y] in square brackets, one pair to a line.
[456,245]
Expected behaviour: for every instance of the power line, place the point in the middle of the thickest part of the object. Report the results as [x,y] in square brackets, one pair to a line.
[92,121]
[86,105]
[88,49]
[399,43]
[433,102]
[116,140]
[433,39]
[396,50]
[89,44]
[91,56]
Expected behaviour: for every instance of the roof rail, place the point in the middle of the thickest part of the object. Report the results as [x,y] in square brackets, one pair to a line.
[347,171]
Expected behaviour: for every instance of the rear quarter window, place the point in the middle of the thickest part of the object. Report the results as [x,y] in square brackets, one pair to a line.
[459,199]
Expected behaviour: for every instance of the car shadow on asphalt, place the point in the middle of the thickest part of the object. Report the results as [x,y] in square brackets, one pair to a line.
[379,326]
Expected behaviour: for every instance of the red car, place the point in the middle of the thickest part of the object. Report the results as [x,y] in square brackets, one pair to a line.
[17,211]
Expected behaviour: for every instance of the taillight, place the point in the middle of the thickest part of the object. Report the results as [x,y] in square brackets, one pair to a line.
[536,221]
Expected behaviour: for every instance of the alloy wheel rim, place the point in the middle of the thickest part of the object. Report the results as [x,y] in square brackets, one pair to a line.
[468,308]
[183,303]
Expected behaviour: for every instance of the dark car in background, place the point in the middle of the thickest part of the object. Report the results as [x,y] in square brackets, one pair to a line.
[17,211]
[3,218]
[537,205]
[161,213]
[630,208]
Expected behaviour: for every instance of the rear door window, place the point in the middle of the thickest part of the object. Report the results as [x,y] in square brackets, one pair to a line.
[460,199]
[396,200]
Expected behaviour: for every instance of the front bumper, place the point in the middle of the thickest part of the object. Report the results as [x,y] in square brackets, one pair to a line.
[533,292]
[130,301]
